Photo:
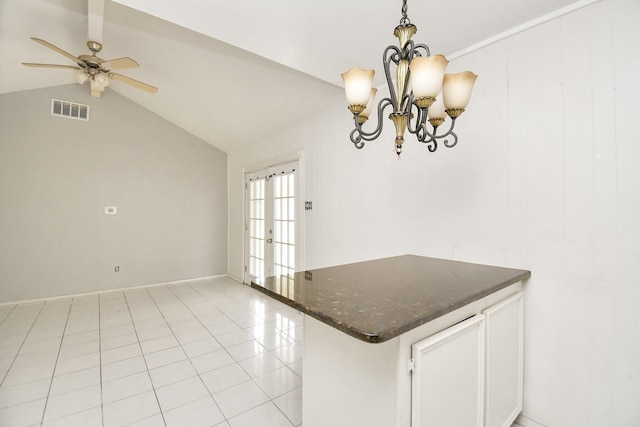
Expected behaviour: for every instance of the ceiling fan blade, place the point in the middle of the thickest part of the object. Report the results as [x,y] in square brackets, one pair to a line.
[69,67]
[57,49]
[119,64]
[133,82]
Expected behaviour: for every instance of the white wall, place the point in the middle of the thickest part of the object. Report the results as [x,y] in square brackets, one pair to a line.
[57,175]
[544,177]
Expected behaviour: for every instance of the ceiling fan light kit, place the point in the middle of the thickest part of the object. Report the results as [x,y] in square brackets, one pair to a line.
[96,70]
[421,85]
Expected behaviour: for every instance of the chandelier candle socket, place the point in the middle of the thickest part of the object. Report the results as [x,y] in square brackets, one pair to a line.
[422,92]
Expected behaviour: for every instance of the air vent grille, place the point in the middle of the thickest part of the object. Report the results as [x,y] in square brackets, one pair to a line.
[71,110]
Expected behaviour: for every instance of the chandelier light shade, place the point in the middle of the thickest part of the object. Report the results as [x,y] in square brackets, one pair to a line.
[456,89]
[422,92]
[357,84]
[364,116]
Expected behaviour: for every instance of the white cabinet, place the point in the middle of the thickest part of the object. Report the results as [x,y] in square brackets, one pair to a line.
[504,323]
[448,377]
[465,372]
[470,374]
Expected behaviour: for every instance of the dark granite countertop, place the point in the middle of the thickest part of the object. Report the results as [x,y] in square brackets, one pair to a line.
[377,300]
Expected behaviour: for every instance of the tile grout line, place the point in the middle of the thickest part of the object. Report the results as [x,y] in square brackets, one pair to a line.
[223,347]
[180,344]
[213,336]
[100,357]
[280,331]
[237,362]
[16,355]
[66,322]
[153,387]
[8,314]
[178,297]
[21,345]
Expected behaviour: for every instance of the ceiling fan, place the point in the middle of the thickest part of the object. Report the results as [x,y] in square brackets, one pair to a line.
[96,70]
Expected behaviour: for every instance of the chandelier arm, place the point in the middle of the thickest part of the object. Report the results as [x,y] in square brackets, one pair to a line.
[454,136]
[358,136]
[391,54]
[433,137]
[422,46]
[409,50]
[406,98]
[432,145]
[421,130]
[419,117]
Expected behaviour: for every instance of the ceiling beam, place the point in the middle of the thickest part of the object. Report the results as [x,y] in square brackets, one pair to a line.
[96,20]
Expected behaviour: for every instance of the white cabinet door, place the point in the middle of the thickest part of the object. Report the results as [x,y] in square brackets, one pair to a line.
[448,381]
[504,361]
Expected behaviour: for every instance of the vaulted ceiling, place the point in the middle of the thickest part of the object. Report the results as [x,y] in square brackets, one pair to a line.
[232,72]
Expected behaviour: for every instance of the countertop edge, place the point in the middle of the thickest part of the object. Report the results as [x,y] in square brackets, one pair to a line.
[390,333]
[354,332]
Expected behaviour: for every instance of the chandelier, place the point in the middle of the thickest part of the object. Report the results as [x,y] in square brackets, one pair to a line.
[421,87]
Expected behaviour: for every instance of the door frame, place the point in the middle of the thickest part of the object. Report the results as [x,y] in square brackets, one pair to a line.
[299,208]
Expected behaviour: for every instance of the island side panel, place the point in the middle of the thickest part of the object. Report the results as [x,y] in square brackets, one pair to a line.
[347,382]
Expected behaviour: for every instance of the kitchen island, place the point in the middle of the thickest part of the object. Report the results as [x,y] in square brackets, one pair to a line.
[408,341]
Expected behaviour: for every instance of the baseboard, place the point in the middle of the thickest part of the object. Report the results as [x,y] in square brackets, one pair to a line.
[174,282]
[527,422]
[232,277]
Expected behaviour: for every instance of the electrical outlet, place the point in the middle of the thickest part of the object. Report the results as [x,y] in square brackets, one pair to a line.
[308,206]
[117,269]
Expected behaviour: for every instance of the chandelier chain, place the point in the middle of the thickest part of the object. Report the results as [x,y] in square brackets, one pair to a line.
[405,19]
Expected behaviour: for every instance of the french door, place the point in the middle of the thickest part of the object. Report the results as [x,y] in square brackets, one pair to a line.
[271,222]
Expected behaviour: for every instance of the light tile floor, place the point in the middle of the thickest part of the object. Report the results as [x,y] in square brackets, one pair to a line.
[209,353]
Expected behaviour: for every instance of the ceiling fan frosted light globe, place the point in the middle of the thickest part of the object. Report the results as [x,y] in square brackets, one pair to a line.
[80,76]
[101,80]
[456,89]
[357,86]
[98,83]
[427,74]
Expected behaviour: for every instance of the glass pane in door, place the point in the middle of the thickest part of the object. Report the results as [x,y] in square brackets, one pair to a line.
[257,227]
[284,224]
